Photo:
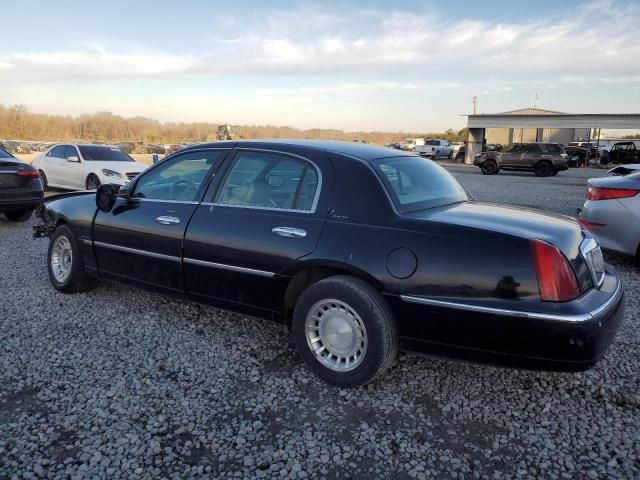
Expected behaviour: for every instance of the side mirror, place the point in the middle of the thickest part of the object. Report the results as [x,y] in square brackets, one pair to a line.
[106,195]
[73,158]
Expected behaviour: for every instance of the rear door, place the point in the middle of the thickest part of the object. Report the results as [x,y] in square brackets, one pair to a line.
[140,239]
[267,210]
[532,155]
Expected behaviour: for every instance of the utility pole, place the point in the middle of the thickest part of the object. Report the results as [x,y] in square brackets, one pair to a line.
[535,104]
[475,104]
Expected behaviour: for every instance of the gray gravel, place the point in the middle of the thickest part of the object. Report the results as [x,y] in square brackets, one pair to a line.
[122,383]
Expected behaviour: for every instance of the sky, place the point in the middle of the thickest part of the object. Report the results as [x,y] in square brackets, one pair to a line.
[386,65]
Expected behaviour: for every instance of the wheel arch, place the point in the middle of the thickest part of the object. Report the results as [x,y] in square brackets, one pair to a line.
[310,273]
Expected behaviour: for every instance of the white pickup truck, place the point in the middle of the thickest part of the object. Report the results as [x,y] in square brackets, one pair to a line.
[435,149]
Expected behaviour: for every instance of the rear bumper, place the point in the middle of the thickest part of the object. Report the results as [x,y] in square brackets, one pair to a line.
[28,200]
[615,226]
[572,341]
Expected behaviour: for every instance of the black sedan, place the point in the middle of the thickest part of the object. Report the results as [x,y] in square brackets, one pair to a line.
[20,188]
[360,249]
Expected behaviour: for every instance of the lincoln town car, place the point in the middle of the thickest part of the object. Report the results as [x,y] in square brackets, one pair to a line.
[359,249]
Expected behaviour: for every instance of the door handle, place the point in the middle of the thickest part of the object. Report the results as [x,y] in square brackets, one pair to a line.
[289,232]
[167,220]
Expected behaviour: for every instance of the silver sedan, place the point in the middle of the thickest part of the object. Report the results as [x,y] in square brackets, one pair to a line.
[612,211]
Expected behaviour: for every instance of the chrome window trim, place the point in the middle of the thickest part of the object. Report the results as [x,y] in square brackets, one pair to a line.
[157,200]
[146,253]
[231,268]
[316,197]
[571,318]
[587,245]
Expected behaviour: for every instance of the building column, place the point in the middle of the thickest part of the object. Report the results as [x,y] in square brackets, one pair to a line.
[474,144]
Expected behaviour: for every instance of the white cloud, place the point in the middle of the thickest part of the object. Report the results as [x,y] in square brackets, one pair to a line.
[307,41]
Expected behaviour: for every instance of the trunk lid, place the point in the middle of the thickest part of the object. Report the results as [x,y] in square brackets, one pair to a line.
[9,177]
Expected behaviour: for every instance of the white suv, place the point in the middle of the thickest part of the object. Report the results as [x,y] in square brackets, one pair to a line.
[85,166]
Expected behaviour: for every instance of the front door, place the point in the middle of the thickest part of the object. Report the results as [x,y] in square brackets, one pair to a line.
[140,239]
[267,210]
[512,156]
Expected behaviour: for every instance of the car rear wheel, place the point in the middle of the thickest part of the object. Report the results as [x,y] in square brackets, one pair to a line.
[93,182]
[19,215]
[66,269]
[543,169]
[489,167]
[345,331]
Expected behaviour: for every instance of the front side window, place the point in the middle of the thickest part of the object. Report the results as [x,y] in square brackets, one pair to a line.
[179,178]
[70,152]
[553,148]
[265,180]
[58,152]
[104,154]
[417,183]
[533,148]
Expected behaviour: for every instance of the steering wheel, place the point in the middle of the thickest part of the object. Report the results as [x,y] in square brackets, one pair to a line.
[174,190]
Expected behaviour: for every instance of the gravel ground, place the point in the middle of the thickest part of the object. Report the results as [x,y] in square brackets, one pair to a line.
[121,383]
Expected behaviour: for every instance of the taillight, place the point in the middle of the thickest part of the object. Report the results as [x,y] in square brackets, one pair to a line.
[556,279]
[28,173]
[602,193]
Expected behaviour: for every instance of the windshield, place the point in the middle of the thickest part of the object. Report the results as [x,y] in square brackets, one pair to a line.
[5,154]
[417,183]
[103,154]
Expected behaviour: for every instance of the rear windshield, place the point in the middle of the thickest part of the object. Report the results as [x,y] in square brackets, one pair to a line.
[5,154]
[417,183]
[104,154]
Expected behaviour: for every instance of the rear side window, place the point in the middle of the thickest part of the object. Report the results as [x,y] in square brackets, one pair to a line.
[274,181]
[532,148]
[552,148]
[416,183]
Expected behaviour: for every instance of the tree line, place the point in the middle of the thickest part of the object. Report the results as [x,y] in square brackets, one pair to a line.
[18,123]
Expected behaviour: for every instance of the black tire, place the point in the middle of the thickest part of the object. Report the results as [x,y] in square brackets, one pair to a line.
[450,156]
[489,167]
[43,179]
[381,332]
[93,182]
[77,280]
[18,215]
[543,169]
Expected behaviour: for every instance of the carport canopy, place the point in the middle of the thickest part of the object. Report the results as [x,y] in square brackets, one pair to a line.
[479,122]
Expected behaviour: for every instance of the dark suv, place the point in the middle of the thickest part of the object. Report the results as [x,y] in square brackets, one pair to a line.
[543,159]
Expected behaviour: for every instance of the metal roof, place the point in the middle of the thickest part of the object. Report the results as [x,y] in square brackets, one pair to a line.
[554,120]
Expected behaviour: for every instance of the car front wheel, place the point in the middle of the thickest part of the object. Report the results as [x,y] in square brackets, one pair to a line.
[93,182]
[489,167]
[345,331]
[66,269]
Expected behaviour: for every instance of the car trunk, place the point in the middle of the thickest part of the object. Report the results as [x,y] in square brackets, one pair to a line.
[9,177]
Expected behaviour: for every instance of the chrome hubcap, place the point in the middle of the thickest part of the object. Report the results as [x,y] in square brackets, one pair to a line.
[336,335]
[61,259]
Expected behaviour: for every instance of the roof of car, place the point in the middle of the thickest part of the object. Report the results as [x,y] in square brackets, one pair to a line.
[363,151]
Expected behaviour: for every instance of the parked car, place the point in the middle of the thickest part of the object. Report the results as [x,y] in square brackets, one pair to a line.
[410,144]
[543,159]
[612,210]
[358,248]
[435,149]
[85,166]
[624,152]
[20,188]
[490,147]
[576,156]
